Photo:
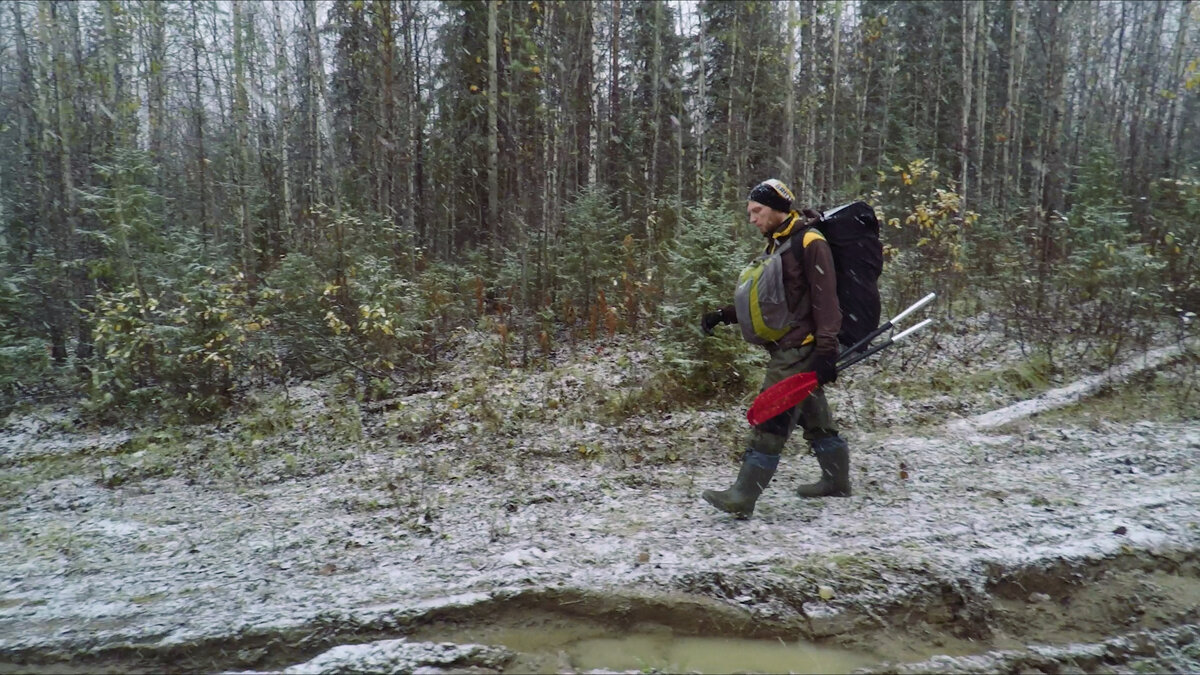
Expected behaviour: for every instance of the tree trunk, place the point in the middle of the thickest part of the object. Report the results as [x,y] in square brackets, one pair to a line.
[198,120]
[46,228]
[969,26]
[1053,166]
[613,165]
[583,117]
[981,96]
[861,125]
[1139,134]
[936,127]
[1171,158]
[283,107]
[386,165]
[1085,83]
[69,248]
[317,132]
[789,115]
[885,109]
[493,130]
[1014,107]
[808,53]
[241,113]
[730,141]
[652,174]
[156,85]
[702,107]
[832,159]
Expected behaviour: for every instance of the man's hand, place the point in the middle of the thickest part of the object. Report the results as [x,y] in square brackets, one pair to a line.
[826,369]
[711,320]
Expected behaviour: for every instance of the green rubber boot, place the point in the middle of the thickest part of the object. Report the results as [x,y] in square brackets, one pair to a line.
[756,472]
[834,457]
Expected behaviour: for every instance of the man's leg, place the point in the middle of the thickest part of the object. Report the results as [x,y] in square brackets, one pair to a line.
[833,454]
[765,442]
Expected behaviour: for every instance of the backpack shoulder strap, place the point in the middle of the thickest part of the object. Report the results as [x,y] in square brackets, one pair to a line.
[812,234]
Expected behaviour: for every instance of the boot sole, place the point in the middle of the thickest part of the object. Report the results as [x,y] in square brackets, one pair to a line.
[740,515]
[817,493]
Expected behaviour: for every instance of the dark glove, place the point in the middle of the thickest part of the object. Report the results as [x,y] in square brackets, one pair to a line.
[711,320]
[825,368]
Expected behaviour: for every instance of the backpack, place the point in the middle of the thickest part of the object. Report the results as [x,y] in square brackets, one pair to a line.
[852,231]
[760,298]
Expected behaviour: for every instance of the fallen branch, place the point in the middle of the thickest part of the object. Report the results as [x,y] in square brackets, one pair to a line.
[1074,392]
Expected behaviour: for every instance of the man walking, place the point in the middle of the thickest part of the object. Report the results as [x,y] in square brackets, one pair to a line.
[786,300]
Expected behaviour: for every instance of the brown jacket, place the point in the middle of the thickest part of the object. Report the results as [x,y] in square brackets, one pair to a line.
[811,285]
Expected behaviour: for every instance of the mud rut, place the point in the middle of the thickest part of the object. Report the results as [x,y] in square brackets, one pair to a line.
[1103,614]
[1028,548]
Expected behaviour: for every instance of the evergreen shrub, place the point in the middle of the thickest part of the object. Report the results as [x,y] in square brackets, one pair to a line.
[24,358]
[589,264]
[706,256]
[1176,215]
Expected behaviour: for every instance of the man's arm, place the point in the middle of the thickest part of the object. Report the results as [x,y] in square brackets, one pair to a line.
[822,283]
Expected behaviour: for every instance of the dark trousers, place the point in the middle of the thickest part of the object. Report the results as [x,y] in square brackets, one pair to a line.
[812,414]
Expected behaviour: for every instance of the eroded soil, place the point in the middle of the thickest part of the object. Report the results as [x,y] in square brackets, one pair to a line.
[468,511]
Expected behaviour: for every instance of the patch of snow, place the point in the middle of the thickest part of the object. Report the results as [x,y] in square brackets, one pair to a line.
[66,494]
[1064,396]
[405,527]
[399,656]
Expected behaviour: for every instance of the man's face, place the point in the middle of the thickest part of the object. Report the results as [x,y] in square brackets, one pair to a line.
[764,217]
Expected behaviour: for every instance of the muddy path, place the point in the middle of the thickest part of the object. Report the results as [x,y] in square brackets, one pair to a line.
[1041,543]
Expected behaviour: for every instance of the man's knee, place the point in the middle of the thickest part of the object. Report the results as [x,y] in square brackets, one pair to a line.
[779,425]
[768,443]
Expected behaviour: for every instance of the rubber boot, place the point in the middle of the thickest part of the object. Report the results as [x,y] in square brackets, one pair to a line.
[834,457]
[755,474]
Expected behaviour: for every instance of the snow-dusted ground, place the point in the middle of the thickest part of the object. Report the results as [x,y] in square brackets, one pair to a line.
[488,487]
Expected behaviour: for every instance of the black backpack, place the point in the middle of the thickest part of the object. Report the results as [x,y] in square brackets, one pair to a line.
[852,231]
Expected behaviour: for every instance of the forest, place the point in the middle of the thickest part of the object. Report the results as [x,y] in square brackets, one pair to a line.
[365,336]
[198,192]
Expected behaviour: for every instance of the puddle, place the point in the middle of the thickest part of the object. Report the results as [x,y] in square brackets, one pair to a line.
[571,646]
[709,655]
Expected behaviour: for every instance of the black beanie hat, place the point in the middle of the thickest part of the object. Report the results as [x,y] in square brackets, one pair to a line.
[773,193]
